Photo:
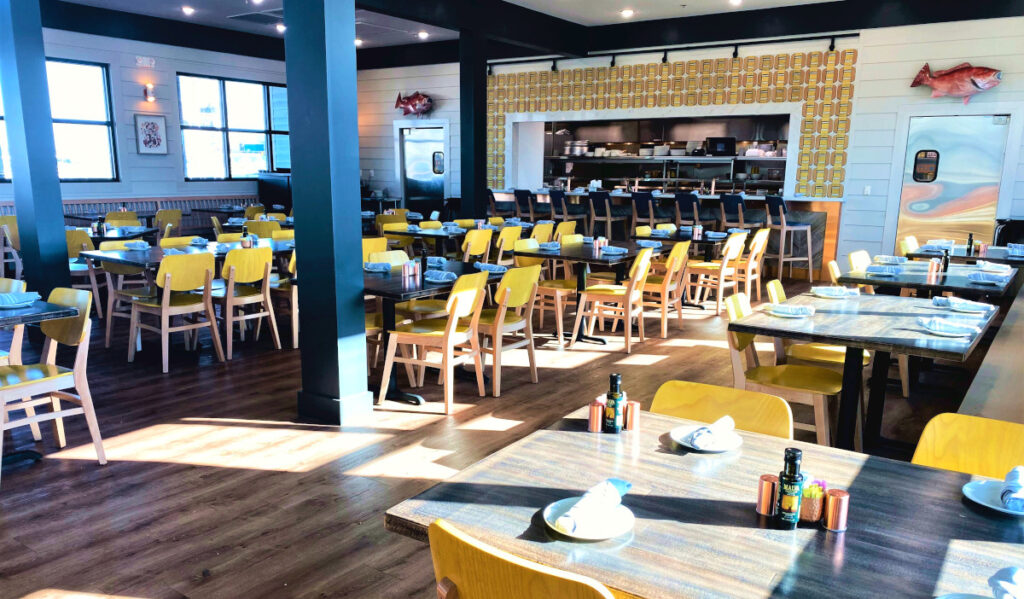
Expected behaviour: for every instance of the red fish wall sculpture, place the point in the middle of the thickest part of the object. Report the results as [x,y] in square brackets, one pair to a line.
[417,103]
[962,81]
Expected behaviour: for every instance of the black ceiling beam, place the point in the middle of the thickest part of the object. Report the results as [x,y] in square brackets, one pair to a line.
[412,55]
[787,21]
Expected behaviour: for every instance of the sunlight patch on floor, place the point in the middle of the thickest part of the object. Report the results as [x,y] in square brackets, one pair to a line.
[640,360]
[415,461]
[490,422]
[715,343]
[553,358]
[62,594]
[228,446]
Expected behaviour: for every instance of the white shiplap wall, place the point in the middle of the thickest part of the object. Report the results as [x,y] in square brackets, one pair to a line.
[889,60]
[378,89]
[151,175]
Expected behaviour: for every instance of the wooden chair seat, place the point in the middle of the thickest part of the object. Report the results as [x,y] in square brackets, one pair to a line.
[432,327]
[13,377]
[558,284]
[422,308]
[821,352]
[597,292]
[798,378]
[654,283]
[177,300]
[489,316]
[149,291]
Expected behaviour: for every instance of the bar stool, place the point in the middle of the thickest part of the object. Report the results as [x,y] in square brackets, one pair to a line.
[776,211]
[527,206]
[688,210]
[602,210]
[564,211]
[732,207]
[500,208]
[645,212]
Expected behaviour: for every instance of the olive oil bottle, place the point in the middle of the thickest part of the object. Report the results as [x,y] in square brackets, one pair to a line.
[791,490]
[614,406]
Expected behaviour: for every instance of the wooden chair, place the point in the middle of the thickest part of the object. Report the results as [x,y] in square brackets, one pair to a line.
[395,258]
[78,240]
[454,336]
[603,212]
[11,245]
[229,237]
[287,290]
[246,274]
[178,242]
[971,444]
[718,275]
[476,245]
[387,219]
[283,235]
[397,242]
[524,204]
[8,285]
[122,221]
[500,208]
[118,277]
[564,228]
[813,354]
[687,208]
[504,245]
[752,411]
[565,211]
[373,245]
[834,272]
[908,244]
[860,260]
[468,569]
[281,216]
[776,215]
[666,290]
[552,294]
[185,281]
[25,387]
[120,215]
[807,385]
[512,317]
[646,212]
[251,212]
[167,218]
[218,229]
[263,229]
[621,303]
[542,232]
[732,212]
[749,269]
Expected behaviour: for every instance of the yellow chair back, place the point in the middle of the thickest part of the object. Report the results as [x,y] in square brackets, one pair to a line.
[76,238]
[465,223]
[252,212]
[121,215]
[263,228]
[574,239]
[114,268]
[908,244]
[176,242]
[283,235]
[566,228]
[392,257]
[403,212]
[758,245]
[278,216]
[478,571]
[431,224]
[752,411]
[123,222]
[860,260]
[374,245]
[188,271]
[11,222]
[666,227]
[776,293]
[217,228]
[676,260]
[542,232]
[11,285]
[833,272]
[229,237]
[643,231]
[507,238]
[249,264]
[518,282]
[477,242]
[291,263]
[525,245]
[733,247]
[68,331]
[462,299]
[641,268]
[971,444]
[496,220]
[738,306]
[167,216]
[384,219]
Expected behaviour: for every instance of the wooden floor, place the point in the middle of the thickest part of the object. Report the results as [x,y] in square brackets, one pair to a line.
[213,489]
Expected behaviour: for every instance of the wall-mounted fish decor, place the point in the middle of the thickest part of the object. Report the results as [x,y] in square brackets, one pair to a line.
[417,103]
[961,81]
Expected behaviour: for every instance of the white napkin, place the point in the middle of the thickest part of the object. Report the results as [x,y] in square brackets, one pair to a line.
[586,518]
[942,301]
[1012,494]
[993,266]
[707,437]
[948,325]
[836,291]
[1008,583]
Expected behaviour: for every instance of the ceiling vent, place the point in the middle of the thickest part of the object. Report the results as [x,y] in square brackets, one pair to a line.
[267,17]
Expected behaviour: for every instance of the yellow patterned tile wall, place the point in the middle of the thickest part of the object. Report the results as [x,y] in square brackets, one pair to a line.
[823,81]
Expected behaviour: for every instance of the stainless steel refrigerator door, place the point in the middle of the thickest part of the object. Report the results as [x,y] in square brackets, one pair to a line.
[423,164]
[951,179]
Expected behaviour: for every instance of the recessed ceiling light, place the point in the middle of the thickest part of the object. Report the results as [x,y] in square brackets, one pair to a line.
[188,10]
[280,27]
[423,35]
[736,2]
[359,42]
[627,13]
[257,1]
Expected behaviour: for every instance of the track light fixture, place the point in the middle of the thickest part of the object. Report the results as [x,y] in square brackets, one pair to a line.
[736,51]
[554,65]
[664,57]
[490,70]
[613,61]
[832,45]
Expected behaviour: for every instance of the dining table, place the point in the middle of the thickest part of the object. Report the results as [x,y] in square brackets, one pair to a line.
[146,216]
[910,532]
[885,324]
[154,254]
[711,246]
[223,211]
[915,275]
[230,227]
[960,255]
[119,233]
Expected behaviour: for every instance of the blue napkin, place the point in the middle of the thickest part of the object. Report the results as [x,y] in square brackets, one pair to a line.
[235,220]
[612,250]
[588,240]
[200,241]
[686,228]
[942,243]
[363,213]
[737,230]
[931,248]
[948,325]
[223,248]
[455,230]
[413,228]
[835,292]
[523,225]
[377,266]
[545,222]
[436,262]
[490,267]
[942,301]
[891,260]
[440,276]
[661,233]
[716,235]
[17,299]
[994,267]
[137,245]
[551,246]
[491,227]
[448,223]
[645,243]
[414,215]
[512,220]
[884,269]
[289,220]
[791,309]
[173,252]
[1012,494]
[133,229]
[290,244]
[1015,249]
[988,277]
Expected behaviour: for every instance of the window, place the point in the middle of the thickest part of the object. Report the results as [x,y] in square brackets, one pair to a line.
[83,128]
[232,129]
[926,166]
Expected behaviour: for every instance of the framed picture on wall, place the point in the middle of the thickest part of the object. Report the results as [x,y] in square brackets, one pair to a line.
[150,134]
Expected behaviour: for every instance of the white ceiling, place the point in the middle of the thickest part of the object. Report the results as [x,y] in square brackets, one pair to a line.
[262,18]
[606,12]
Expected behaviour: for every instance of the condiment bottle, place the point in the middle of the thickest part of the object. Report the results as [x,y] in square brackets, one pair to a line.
[614,406]
[970,244]
[945,260]
[791,488]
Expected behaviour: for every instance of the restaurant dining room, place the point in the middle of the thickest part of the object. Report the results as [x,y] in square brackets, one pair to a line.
[721,298]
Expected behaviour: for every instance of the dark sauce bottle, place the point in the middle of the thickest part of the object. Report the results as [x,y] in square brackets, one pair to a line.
[791,490]
[614,406]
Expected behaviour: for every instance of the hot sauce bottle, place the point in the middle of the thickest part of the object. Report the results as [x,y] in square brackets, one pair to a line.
[791,487]
[614,407]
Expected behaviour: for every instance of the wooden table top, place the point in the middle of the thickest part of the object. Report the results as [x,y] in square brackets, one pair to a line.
[878,322]
[37,312]
[915,276]
[151,257]
[585,253]
[995,391]
[394,286]
[910,531]
[959,255]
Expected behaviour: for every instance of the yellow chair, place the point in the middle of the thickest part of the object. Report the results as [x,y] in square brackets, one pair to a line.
[909,244]
[14,356]
[373,245]
[716,276]
[807,385]
[642,231]
[263,229]
[552,294]
[971,444]
[542,232]
[748,269]
[167,218]
[515,298]
[432,224]
[177,242]
[465,223]
[403,212]
[118,276]
[834,272]
[78,240]
[11,248]
[564,228]
[246,274]
[859,261]
[218,229]
[388,219]
[46,383]
[278,216]
[476,245]
[816,354]
[468,569]
[229,237]
[289,291]
[251,212]
[752,411]
[666,290]
[397,242]
[121,215]
[496,220]
[507,238]
[185,281]
[123,222]
[283,235]
[449,335]
[396,258]
[620,303]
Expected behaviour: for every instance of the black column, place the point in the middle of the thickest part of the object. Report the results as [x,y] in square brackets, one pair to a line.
[321,68]
[473,122]
[37,199]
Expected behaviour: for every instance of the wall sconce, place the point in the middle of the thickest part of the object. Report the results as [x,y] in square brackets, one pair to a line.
[147,93]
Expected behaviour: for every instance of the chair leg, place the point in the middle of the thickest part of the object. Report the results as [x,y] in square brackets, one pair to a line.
[410,372]
[627,329]
[274,333]
[531,352]
[165,339]
[664,317]
[639,321]
[211,317]
[579,319]
[496,366]
[96,294]
[30,412]
[448,371]
[389,363]
[821,420]
[559,324]
[58,424]
[782,252]
[133,331]
[810,257]
[110,306]
[478,364]
[228,311]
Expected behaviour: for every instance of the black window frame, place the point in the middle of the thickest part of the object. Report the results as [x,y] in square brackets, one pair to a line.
[110,124]
[225,130]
